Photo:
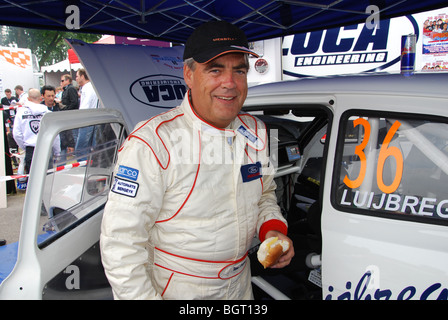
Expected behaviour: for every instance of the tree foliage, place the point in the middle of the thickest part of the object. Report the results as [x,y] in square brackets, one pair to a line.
[49,46]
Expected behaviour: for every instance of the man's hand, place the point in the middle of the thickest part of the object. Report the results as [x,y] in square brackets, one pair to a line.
[286,258]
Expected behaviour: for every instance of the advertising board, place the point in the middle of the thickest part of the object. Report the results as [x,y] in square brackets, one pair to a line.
[367,47]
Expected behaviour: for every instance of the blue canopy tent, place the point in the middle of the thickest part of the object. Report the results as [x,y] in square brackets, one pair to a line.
[174,20]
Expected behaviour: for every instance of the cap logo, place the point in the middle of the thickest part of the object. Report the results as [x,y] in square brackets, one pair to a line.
[224,39]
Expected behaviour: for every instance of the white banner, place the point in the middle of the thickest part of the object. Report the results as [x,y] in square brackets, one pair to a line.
[139,81]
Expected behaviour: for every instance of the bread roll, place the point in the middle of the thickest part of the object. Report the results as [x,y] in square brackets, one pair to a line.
[271,250]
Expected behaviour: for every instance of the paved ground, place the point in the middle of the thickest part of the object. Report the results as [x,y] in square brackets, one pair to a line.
[11,217]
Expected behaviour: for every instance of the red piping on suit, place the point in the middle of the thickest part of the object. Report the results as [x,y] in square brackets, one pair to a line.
[227,262]
[167,284]
[132,135]
[256,130]
[192,188]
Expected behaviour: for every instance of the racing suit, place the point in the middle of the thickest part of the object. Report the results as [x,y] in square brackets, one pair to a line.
[185,206]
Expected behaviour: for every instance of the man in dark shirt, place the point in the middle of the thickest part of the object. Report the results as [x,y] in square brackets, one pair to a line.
[6,101]
[8,119]
[67,140]
[70,100]
[48,95]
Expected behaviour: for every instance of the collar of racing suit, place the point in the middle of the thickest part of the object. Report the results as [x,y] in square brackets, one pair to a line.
[240,125]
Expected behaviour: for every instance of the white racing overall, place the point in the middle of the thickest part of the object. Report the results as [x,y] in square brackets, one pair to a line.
[187,201]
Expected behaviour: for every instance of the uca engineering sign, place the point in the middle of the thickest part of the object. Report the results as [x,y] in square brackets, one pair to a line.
[350,49]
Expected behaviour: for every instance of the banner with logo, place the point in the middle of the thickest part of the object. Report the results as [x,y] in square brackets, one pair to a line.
[364,47]
[15,69]
[139,81]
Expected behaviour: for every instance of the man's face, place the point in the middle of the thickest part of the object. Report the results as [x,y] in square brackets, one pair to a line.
[80,79]
[218,88]
[8,94]
[49,97]
[64,82]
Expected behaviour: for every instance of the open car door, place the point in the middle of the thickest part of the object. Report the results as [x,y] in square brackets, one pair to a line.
[58,252]
[384,220]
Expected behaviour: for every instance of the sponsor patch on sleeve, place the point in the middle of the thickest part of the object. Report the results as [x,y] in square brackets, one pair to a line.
[127,173]
[125,187]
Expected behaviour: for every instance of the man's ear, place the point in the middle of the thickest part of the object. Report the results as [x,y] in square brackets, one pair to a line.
[188,76]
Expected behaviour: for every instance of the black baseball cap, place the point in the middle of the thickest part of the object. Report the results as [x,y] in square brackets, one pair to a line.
[215,38]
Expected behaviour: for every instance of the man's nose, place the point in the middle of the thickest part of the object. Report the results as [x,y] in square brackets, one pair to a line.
[228,80]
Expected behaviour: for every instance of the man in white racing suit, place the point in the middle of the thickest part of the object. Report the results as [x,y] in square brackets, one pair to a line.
[193,186]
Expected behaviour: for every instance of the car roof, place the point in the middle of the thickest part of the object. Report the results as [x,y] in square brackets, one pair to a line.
[419,84]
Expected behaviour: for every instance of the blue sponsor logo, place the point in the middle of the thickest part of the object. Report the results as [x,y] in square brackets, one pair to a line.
[250,172]
[127,173]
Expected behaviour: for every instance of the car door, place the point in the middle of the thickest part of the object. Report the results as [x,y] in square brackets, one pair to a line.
[58,254]
[384,217]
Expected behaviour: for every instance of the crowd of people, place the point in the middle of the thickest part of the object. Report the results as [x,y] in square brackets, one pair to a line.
[23,112]
[436,25]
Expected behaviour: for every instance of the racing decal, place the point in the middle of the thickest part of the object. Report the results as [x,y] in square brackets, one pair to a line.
[161,90]
[385,152]
[169,61]
[395,166]
[250,172]
[127,173]
[362,291]
[125,187]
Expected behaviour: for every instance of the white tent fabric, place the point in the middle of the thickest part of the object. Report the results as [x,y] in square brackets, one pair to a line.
[61,66]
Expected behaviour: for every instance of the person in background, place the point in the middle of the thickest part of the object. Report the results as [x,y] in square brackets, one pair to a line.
[49,98]
[8,119]
[27,125]
[66,137]
[9,158]
[59,93]
[20,94]
[8,98]
[69,100]
[88,100]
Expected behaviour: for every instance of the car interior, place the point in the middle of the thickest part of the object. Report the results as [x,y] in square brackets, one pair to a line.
[300,131]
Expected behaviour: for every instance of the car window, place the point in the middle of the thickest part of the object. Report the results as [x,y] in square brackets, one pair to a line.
[297,139]
[394,166]
[77,181]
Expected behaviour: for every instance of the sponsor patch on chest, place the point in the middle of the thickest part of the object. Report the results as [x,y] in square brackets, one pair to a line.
[251,171]
[249,135]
